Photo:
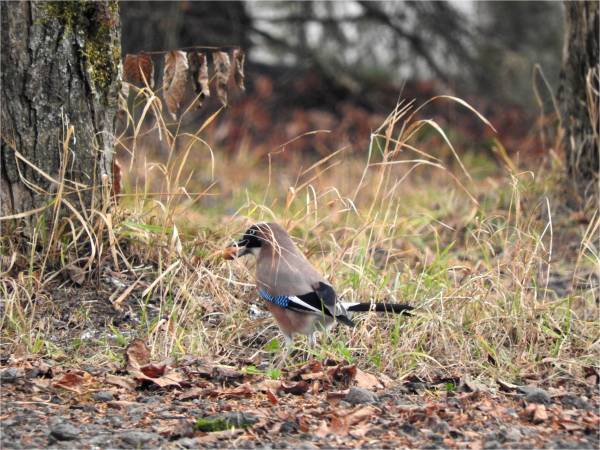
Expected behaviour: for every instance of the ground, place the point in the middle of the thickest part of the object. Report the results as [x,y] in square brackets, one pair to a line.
[217,402]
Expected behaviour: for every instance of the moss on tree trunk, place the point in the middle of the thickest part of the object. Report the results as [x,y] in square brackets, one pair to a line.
[60,69]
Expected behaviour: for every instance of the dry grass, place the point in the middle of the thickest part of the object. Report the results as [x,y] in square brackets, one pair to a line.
[503,279]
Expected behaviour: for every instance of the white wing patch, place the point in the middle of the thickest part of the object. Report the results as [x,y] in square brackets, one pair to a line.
[300,302]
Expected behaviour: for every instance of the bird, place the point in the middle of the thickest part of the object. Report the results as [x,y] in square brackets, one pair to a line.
[300,299]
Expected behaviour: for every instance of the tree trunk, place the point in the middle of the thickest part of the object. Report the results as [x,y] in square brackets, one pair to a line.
[579,80]
[60,84]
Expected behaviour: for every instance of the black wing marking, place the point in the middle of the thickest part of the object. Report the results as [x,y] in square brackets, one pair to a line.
[313,302]
[309,302]
[325,292]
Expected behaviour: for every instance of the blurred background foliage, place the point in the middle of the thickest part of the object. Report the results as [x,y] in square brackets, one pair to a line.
[342,66]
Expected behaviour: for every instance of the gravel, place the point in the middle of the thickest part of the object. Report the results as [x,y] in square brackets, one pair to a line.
[358,396]
[65,432]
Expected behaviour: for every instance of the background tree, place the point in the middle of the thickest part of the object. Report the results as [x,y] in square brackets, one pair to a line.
[60,69]
[579,96]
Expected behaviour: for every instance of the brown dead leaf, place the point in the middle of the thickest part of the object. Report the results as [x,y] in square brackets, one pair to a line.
[571,425]
[218,435]
[139,70]
[153,370]
[76,274]
[226,373]
[174,80]
[296,388]
[313,376]
[73,381]
[360,414]
[124,382]
[540,414]
[137,354]
[331,395]
[243,390]
[342,374]
[272,397]
[199,74]
[366,380]
[222,66]
[169,379]
[338,426]
[239,58]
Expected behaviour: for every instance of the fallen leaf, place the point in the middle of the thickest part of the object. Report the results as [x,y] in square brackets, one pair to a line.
[174,80]
[76,274]
[272,397]
[72,381]
[296,388]
[217,435]
[338,425]
[366,380]
[126,383]
[570,425]
[243,390]
[170,379]
[337,394]
[137,354]
[540,414]
[360,414]
[153,370]
[312,376]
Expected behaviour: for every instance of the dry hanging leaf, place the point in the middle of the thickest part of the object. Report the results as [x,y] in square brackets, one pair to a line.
[199,73]
[139,70]
[222,69]
[239,59]
[174,80]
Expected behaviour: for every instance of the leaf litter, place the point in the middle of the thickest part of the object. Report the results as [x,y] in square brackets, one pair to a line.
[201,403]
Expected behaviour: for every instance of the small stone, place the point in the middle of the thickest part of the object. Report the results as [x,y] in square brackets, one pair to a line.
[441,427]
[11,375]
[574,401]
[513,434]
[240,419]
[535,395]
[65,432]
[99,440]
[138,438]
[358,395]
[289,426]
[103,396]
[409,429]
[489,445]
[188,443]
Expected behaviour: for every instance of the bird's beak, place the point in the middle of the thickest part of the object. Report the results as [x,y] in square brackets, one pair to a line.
[235,251]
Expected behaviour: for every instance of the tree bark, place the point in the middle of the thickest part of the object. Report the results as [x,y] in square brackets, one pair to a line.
[579,80]
[60,84]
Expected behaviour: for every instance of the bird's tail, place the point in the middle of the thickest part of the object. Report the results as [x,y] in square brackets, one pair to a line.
[396,308]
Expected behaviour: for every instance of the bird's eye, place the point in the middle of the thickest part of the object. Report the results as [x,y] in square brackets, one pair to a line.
[252,231]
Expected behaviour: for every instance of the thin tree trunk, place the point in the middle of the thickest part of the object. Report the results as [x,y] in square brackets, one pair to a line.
[579,80]
[60,77]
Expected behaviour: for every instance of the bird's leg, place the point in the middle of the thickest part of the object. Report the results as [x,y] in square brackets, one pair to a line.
[289,343]
[312,343]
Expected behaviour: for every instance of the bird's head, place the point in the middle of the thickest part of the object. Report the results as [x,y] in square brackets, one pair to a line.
[251,242]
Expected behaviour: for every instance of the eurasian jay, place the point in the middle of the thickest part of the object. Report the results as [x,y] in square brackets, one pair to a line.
[296,294]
